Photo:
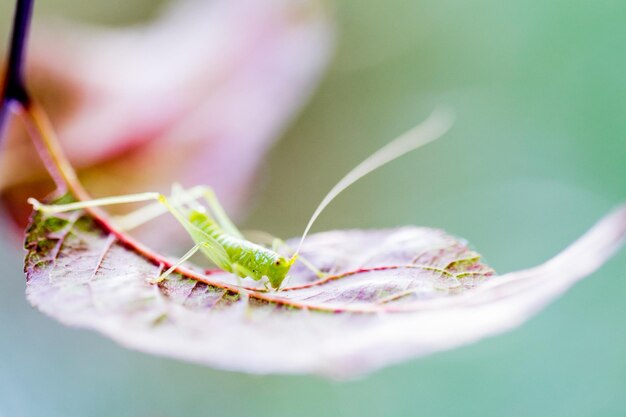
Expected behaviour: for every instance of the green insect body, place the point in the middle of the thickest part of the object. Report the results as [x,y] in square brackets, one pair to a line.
[250,260]
[215,235]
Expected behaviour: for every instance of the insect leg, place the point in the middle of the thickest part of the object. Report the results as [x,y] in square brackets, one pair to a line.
[218,211]
[242,271]
[152,211]
[180,196]
[189,254]
[128,221]
[140,216]
[212,248]
[98,202]
[186,198]
[178,263]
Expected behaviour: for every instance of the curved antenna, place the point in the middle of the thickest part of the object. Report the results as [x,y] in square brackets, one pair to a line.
[435,126]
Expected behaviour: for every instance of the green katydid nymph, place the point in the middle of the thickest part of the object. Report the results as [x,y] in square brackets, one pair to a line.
[215,235]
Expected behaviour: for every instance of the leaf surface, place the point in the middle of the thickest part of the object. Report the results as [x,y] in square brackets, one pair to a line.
[391,295]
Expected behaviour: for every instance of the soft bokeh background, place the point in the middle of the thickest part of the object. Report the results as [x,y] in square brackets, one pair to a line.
[537,155]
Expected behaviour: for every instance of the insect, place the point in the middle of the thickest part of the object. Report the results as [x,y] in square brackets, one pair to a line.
[215,235]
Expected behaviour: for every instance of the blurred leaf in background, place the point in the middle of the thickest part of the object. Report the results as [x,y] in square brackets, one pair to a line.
[196,96]
[537,155]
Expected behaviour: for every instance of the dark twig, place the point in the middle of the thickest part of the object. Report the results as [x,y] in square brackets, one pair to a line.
[13,88]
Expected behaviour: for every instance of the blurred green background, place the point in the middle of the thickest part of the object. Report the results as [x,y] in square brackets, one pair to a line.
[537,155]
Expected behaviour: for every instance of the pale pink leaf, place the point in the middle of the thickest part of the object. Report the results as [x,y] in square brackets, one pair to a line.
[392,295]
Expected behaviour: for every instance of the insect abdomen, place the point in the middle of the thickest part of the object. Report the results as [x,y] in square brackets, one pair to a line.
[256,259]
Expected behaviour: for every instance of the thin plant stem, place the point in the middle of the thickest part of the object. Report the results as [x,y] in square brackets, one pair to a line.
[47,145]
[13,89]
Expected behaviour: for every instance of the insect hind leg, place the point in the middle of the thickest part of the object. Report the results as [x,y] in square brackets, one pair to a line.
[130,220]
[98,202]
[218,211]
[181,196]
[134,219]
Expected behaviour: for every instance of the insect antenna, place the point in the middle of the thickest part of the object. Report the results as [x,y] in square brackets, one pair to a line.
[435,126]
